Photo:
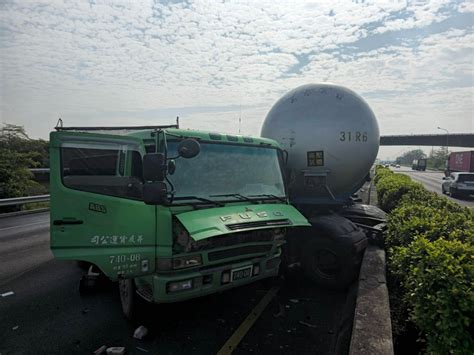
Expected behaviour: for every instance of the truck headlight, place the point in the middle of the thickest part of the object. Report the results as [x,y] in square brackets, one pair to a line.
[180,262]
[180,285]
[183,262]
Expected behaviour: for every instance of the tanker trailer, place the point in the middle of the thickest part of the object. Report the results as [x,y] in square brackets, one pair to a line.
[331,137]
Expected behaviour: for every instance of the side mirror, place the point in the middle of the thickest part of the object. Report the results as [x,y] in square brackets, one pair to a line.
[155,193]
[154,167]
[189,148]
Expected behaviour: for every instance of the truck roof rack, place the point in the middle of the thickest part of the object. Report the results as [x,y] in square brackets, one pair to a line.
[60,127]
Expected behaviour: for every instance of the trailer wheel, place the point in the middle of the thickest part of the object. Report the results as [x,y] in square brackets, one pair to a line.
[326,265]
[128,298]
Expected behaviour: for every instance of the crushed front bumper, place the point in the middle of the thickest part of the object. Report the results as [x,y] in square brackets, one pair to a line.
[208,280]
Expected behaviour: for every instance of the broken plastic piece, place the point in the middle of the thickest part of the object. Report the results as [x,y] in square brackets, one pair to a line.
[294,300]
[116,350]
[307,324]
[9,293]
[15,327]
[101,350]
[140,332]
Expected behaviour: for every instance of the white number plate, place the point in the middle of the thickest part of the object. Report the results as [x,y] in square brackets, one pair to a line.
[241,273]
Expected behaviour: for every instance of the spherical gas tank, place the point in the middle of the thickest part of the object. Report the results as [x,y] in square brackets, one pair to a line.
[332,139]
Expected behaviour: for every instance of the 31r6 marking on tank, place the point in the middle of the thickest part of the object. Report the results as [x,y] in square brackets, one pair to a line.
[348,136]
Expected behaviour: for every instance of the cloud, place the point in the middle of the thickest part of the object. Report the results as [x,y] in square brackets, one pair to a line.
[111,62]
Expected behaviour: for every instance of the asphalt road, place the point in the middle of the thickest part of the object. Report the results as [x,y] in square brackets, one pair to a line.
[24,244]
[432,180]
[46,314]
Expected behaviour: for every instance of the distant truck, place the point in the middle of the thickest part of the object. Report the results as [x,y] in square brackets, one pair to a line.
[460,162]
[419,164]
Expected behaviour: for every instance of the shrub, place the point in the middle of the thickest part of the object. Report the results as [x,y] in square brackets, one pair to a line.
[391,188]
[432,221]
[437,280]
[430,248]
[381,172]
[432,199]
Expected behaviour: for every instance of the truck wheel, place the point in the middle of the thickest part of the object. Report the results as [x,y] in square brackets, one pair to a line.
[84,265]
[128,298]
[324,264]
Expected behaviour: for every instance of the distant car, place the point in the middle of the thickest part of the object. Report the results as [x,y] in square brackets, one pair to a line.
[458,184]
[397,166]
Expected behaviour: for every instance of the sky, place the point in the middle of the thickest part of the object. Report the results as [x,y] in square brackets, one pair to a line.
[140,62]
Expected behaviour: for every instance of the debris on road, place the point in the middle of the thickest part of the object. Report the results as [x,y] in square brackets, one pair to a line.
[15,327]
[116,350]
[141,349]
[85,310]
[101,350]
[294,300]
[307,324]
[9,293]
[281,311]
[140,332]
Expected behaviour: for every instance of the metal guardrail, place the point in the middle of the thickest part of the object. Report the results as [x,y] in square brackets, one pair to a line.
[23,200]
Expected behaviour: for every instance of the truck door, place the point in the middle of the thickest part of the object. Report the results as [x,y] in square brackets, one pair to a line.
[97,211]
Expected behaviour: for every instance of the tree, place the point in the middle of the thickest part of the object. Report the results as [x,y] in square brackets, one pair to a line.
[19,153]
[408,157]
[437,159]
[15,138]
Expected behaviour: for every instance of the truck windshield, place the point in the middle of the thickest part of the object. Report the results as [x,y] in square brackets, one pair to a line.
[223,169]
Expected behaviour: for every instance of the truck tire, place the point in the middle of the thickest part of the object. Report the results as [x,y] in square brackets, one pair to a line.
[129,299]
[84,265]
[326,265]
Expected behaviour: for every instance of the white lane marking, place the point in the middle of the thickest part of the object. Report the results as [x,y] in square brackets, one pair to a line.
[9,293]
[24,225]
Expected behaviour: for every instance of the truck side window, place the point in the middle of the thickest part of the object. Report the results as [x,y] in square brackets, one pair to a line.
[107,171]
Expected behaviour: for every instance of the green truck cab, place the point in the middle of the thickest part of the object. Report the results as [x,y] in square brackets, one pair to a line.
[171,214]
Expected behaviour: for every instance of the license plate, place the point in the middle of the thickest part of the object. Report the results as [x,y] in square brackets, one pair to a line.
[241,273]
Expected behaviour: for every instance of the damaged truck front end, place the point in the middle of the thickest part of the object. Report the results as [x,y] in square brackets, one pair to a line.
[171,214]
[238,249]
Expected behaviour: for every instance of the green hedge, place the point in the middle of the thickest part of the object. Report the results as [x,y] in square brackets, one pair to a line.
[437,278]
[411,219]
[429,242]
